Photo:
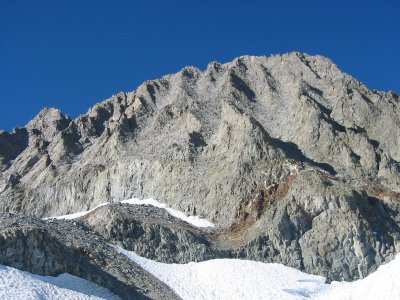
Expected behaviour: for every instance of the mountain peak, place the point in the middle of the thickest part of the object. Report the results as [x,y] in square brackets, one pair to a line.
[274,150]
[48,121]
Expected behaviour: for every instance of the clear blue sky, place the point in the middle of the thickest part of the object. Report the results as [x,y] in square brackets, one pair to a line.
[72,54]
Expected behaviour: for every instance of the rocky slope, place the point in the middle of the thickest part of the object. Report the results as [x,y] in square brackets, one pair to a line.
[53,247]
[294,160]
[343,236]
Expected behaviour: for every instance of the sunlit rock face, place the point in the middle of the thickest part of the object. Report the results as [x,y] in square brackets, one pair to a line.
[292,159]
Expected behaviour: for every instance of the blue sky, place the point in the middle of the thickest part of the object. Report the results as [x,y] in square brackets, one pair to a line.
[72,54]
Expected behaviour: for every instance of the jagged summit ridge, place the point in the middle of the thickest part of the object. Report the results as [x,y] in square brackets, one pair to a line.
[280,152]
[300,106]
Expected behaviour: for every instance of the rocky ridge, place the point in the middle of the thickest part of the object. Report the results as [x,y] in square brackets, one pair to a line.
[53,247]
[294,160]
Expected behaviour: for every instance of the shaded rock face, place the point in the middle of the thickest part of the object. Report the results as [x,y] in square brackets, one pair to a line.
[55,247]
[295,161]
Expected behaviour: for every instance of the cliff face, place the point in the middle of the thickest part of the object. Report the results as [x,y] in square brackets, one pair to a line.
[260,145]
[201,141]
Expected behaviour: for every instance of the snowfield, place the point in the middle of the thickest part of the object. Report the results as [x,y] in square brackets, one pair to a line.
[193,220]
[20,285]
[214,279]
[232,279]
[244,279]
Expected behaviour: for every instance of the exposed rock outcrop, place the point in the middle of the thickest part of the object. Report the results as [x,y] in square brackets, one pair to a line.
[151,232]
[53,247]
[334,230]
[294,160]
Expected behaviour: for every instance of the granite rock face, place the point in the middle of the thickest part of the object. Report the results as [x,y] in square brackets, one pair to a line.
[200,141]
[294,160]
[319,225]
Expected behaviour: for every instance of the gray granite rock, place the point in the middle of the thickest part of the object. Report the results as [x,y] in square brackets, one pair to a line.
[319,225]
[151,232]
[201,140]
[216,143]
[53,247]
[332,229]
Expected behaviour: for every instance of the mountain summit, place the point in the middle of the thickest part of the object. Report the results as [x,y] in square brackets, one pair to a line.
[293,160]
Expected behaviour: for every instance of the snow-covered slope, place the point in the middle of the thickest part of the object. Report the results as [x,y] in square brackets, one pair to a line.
[213,279]
[382,284]
[244,279]
[193,220]
[232,279]
[20,285]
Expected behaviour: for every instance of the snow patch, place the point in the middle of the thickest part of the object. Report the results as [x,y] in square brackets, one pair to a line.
[20,285]
[193,220]
[78,214]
